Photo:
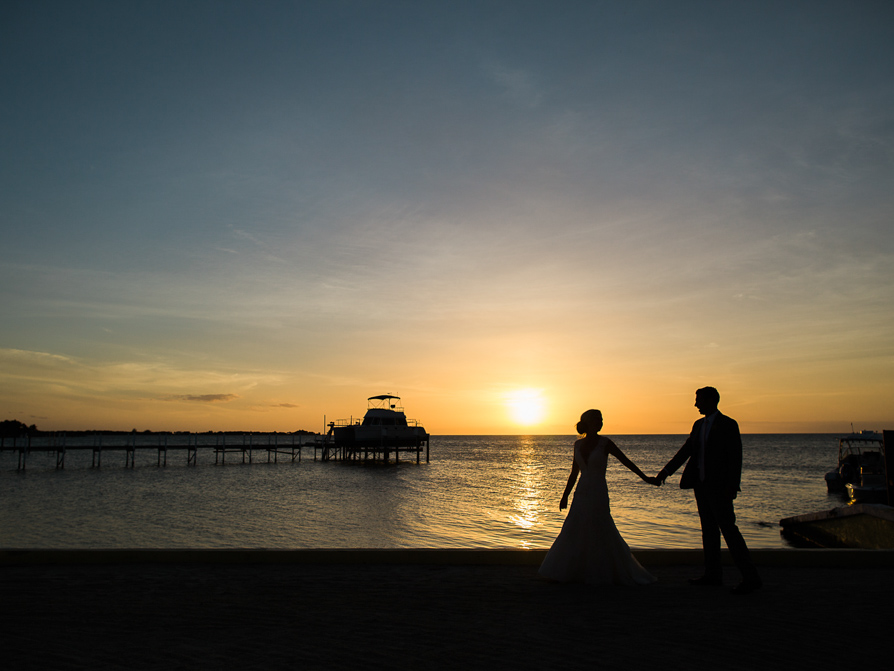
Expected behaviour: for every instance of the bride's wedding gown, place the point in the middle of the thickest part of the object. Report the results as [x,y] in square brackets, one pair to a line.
[589,548]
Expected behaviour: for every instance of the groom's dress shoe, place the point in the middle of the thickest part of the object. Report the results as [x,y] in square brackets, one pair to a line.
[747,587]
[705,581]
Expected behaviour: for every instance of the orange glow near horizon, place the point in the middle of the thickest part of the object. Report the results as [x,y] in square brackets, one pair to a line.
[651,395]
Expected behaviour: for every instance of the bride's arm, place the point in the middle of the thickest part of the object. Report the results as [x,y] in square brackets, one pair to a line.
[571,480]
[616,451]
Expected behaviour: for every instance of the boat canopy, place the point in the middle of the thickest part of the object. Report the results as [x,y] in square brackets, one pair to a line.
[388,402]
[866,443]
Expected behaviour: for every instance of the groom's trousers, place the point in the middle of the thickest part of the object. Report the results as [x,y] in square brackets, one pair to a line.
[715,510]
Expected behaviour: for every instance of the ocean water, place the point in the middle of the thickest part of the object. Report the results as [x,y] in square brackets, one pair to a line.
[477,492]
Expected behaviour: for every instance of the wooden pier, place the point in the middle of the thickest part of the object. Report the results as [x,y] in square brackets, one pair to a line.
[372,451]
[246,448]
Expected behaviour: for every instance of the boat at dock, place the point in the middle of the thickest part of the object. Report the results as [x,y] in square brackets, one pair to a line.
[861,468]
[384,430]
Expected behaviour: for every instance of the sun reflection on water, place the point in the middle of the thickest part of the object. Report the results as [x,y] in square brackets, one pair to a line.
[526,496]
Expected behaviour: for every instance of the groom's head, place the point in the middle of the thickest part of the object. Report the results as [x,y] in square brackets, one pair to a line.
[706,400]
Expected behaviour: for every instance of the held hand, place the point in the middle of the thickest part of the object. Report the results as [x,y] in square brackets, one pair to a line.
[653,481]
[563,503]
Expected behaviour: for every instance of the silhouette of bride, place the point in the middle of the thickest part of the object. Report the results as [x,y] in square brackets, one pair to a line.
[589,548]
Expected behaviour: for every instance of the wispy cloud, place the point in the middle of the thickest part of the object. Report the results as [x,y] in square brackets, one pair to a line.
[36,359]
[518,85]
[262,247]
[204,398]
[245,235]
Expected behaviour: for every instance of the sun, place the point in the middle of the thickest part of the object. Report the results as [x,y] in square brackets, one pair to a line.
[526,406]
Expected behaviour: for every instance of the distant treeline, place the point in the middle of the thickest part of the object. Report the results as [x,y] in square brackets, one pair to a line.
[11,428]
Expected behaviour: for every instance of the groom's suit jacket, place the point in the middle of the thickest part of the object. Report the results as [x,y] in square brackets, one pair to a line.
[723,457]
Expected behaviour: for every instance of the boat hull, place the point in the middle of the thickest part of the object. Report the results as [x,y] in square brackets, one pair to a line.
[834,482]
[379,436]
[857,493]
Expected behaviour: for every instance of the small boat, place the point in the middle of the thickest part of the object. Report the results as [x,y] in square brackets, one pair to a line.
[859,455]
[870,489]
[385,428]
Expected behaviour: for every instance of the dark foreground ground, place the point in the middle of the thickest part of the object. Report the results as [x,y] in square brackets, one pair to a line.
[435,615]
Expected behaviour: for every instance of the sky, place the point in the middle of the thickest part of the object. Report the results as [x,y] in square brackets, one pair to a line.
[254,215]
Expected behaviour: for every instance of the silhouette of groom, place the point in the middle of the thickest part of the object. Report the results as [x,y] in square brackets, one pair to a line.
[714,471]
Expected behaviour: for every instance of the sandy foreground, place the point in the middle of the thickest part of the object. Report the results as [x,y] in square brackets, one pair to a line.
[423,611]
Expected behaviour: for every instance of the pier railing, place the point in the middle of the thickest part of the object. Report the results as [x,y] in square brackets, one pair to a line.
[244,446]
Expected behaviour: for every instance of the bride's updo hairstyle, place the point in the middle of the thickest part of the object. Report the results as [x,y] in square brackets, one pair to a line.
[585,420]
